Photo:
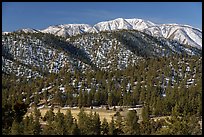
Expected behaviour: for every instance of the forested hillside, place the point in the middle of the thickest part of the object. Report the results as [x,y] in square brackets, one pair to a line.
[166,86]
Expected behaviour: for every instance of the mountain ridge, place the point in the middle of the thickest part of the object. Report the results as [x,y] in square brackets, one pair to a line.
[185,34]
[114,50]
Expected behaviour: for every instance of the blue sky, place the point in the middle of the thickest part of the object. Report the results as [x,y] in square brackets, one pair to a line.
[40,15]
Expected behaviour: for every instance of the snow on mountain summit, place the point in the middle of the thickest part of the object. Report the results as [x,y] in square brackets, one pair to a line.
[29,30]
[116,24]
[184,34]
[67,29]
[181,33]
[139,24]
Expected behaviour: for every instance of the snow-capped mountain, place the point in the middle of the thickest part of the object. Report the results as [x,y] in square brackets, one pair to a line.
[182,33]
[116,24]
[67,29]
[29,30]
[139,24]
[34,54]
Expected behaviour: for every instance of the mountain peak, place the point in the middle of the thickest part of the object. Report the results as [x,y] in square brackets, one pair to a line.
[29,30]
[184,34]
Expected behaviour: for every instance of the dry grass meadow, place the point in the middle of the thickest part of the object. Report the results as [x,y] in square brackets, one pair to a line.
[103,113]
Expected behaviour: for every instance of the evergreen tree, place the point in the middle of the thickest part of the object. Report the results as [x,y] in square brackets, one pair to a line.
[82,122]
[69,121]
[112,129]
[142,95]
[49,117]
[182,125]
[36,98]
[104,127]
[26,126]
[80,99]
[45,95]
[75,129]
[58,97]
[69,94]
[131,123]
[16,128]
[37,126]
[194,128]
[85,98]
[97,124]
[27,101]
[7,118]
[37,113]
[110,99]
[145,127]
[97,97]
[59,125]
[90,98]
[145,113]
[135,96]
[119,124]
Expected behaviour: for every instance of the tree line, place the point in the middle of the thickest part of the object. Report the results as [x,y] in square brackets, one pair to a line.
[91,124]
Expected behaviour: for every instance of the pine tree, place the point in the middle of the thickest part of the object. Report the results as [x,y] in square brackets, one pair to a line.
[97,97]
[49,117]
[80,99]
[135,96]
[194,128]
[37,126]
[119,124]
[145,113]
[158,107]
[131,123]
[16,128]
[59,125]
[69,93]
[37,113]
[104,127]
[20,110]
[145,124]
[85,98]
[82,122]
[142,95]
[97,124]
[36,98]
[45,96]
[7,118]
[26,125]
[110,99]
[20,98]
[112,129]
[58,97]
[90,98]
[75,129]
[69,121]
[27,101]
